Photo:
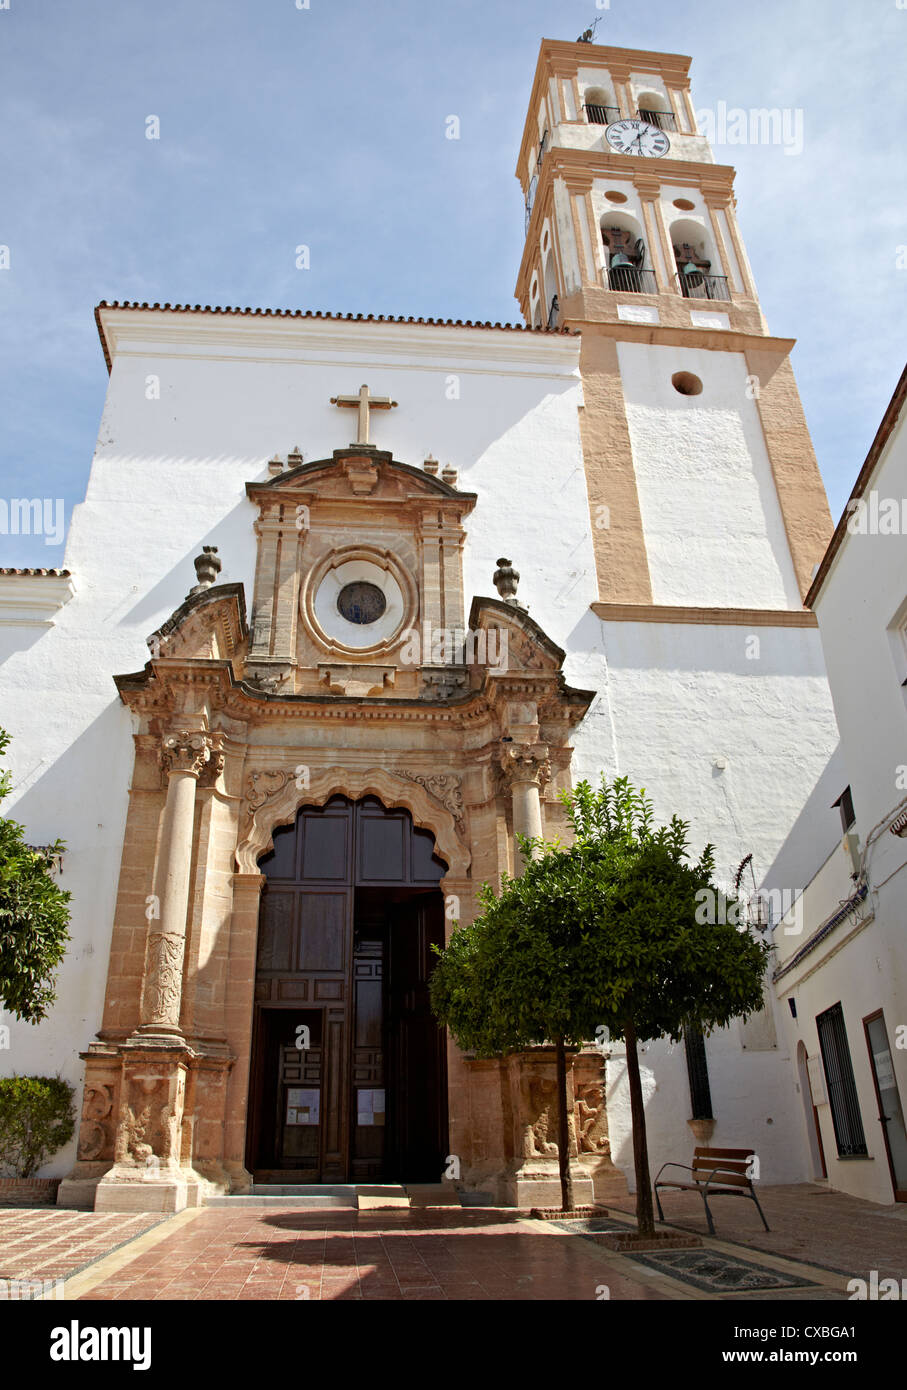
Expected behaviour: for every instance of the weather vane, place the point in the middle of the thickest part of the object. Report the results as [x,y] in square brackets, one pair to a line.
[588,34]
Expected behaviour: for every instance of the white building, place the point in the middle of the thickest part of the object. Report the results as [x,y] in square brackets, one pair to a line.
[841,973]
[646,468]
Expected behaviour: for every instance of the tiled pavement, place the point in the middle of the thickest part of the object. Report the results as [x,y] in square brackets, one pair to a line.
[808,1222]
[52,1243]
[342,1254]
[428,1254]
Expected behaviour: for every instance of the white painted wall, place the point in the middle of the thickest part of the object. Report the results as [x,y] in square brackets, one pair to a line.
[862,964]
[169,475]
[711,517]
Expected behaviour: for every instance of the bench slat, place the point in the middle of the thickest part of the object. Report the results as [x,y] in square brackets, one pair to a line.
[719,1179]
[723,1153]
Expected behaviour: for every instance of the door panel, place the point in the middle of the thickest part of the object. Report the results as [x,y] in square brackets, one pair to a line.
[364,995]
[417,1072]
[891,1113]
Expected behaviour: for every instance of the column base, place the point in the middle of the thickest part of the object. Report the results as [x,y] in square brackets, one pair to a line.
[78,1188]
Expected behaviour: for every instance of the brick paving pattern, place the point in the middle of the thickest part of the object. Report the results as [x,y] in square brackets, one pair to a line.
[808,1222]
[52,1243]
[344,1254]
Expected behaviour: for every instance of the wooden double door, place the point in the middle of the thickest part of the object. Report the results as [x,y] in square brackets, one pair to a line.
[348,1076]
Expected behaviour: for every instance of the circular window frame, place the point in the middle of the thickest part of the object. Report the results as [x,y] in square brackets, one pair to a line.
[613,196]
[687,384]
[684,205]
[374,565]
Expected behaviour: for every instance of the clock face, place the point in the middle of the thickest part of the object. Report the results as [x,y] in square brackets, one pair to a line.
[637,137]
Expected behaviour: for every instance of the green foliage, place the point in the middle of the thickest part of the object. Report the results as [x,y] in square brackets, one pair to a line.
[605,933]
[36,1119]
[33,918]
[601,933]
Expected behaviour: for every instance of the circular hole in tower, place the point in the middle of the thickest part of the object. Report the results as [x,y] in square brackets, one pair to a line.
[614,197]
[686,383]
[684,204]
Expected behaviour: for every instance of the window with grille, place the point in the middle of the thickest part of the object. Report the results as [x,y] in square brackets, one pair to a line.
[842,1090]
[698,1073]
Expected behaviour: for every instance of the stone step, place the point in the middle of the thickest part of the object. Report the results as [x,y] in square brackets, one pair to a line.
[359,1196]
[432,1194]
[304,1189]
[243,1200]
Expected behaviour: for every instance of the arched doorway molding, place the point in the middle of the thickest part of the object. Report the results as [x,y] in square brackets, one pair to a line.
[290,792]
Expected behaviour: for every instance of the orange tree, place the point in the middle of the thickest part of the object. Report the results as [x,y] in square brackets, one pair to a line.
[618,931]
[33,918]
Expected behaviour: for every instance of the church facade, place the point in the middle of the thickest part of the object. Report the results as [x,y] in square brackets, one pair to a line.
[348,602]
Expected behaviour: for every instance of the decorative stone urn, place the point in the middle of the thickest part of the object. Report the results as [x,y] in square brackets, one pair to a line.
[207,567]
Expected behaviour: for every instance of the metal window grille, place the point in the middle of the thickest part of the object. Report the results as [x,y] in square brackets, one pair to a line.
[842,1090]
[698,1073]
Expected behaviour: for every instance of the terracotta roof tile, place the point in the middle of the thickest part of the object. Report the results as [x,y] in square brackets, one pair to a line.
[54,574]
[315,314]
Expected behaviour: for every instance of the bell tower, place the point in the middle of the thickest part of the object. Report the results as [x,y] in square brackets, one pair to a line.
[693,432]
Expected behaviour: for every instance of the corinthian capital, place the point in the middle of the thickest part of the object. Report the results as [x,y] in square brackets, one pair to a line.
[187,750]
[525,762]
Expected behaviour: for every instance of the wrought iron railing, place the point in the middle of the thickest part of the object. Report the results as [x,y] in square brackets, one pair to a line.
[701,286]
[630,280]
[530,197]
[534,180]
[665,120]
[601,115]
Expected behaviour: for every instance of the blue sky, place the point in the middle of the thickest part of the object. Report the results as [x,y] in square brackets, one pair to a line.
[325,126]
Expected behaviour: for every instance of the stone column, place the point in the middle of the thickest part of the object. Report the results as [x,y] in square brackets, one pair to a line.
[183,754]
[526,770]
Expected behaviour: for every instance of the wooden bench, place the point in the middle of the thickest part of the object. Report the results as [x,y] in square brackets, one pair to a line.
[715,1172]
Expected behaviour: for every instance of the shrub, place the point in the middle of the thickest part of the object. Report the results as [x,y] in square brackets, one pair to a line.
[36,1119]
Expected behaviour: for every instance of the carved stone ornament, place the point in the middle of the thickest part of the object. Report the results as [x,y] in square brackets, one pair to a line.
[185,751]
[443,683]
[164,978]
[539,1132]
[444,787]
[269,682]
[590,1118]
[208,566]
[505,580]
[95,1131]
[216,762]
[261,785]
[525,762]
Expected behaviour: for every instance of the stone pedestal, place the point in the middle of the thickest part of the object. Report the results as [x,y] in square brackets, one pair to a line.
[533,1179]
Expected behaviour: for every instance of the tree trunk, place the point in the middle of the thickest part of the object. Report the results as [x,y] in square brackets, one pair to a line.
[645,1212]
[563,1130]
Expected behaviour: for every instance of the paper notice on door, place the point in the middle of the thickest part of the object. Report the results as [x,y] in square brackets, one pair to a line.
[369,1107]
[884,1070]
[302,1106]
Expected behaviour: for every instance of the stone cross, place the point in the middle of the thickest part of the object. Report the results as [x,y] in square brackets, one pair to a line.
[362,403]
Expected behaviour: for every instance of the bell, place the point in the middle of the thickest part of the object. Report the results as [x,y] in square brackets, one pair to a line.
[619,259]
[693,274]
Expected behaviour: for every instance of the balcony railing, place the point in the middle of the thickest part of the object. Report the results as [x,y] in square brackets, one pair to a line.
[632,281]
[665,120]
[601,115]
[702,286]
